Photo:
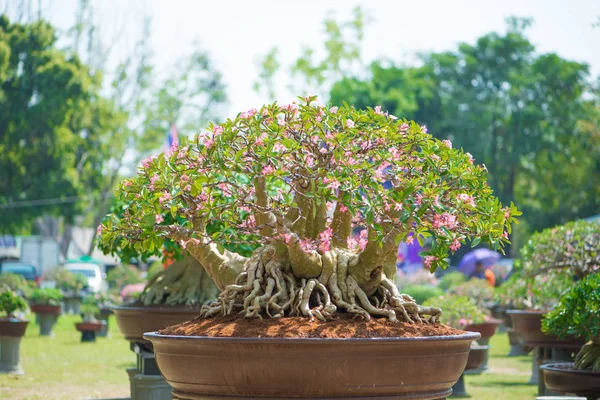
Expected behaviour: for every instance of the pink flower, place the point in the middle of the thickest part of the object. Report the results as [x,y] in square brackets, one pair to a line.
[279,148]
[465,198]
[208,143]
[446,219]
[470,158]
[325,237]
[268,170]
[455,245]
[507,214]
[181,155]
[165,197]
[392,117]
[306,246]
[217,130]
[333,184]
[159,218]
[146,163]
[154,178]
[429,260]
[248,114]
[352,243]
[362,243]
[249,222]
[309,160]
[343,208]
[185,178]
[127,183]
[397,206]
[333,110]
[418,198]
[424,128]
[187,188]
[349,123]
[287,238]
[281,120]
[100,229]
[225,188]
[462,322]
[505,235]
[404,128]
[377,110]
[446,143]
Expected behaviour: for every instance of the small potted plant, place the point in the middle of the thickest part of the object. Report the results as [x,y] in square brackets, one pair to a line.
[90,325]
[480,293]
[45,303]
[295,181]
[578,313]
[71,285]
[460,312]
[551,261]
[12,330]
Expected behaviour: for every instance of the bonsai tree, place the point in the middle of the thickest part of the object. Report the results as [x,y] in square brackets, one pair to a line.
[10,302]
[15,282]
[90,307]
[46,297]
[68,282]
[541,292]
[578,313]
[295,180]
[459,311]
[570,249]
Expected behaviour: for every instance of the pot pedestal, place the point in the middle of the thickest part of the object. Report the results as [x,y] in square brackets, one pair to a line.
[516,347]
[10,355]
[477,356]
[88,330]
[46,322]
[546,355]
[145,381]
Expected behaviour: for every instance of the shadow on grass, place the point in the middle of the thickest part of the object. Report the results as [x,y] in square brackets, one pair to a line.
[502,384]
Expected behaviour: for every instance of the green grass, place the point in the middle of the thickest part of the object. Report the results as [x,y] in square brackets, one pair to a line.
[61,367]
[506,378]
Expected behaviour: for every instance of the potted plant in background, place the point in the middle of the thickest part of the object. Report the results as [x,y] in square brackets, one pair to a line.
[71,285]
[460,313]
[105,301]
[46,304]
[451,279]
[481,294]
[578,313]
[12,330]
[295,180]
[551,261]
[90,325]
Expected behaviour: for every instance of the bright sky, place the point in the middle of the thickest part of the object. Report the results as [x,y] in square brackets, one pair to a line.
[236,33]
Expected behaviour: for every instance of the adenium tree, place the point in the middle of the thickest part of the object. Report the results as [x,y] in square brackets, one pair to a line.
[296,180]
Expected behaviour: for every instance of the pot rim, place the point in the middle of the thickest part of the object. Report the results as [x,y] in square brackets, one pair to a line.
[272,340]
[526,312]
[156,307]
[572,370]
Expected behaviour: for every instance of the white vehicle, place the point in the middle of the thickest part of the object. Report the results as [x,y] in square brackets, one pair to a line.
[96,279]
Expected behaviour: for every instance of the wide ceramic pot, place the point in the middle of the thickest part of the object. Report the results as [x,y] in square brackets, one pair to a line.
[486,329]
[45,309]
[14,328]
[528,325]
[200,367]
[134,321]
[564,378]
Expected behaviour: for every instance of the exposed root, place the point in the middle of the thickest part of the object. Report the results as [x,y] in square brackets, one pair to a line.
[267,286]
[588,357]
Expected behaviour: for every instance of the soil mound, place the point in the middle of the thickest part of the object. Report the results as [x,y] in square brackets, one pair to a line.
[344,326]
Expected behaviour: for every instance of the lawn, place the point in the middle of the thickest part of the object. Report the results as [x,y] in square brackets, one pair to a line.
[61,367]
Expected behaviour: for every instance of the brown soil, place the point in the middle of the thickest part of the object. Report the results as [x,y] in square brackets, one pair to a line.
[296,327]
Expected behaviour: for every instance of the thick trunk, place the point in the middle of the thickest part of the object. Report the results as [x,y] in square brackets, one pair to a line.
[268,285]
[183,282]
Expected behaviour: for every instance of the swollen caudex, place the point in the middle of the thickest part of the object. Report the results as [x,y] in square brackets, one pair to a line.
[267,286]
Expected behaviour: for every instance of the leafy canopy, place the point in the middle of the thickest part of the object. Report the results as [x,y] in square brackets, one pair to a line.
[578,312]
[277,174]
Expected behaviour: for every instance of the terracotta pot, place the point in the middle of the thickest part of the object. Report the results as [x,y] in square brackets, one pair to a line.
[564,378]
[250,368]
[135,321]
[486,329]
[528,325]
[45,309]
[87,326]
[476,357]
[12,327]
